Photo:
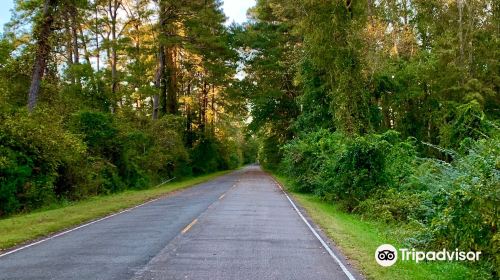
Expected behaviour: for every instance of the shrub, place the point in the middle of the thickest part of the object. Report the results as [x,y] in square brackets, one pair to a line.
[269,154]
[348,170]
[100,132]
[466,197]
[229,155]
[462,122]
[204,155]
[357,173]
[167,156]
[250,148]
[304,157]
[394,205]
[34,146]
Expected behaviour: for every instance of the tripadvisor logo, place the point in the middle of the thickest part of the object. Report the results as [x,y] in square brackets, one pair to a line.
[387,255]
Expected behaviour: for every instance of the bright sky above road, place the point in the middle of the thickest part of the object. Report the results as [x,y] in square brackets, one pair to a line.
[5,13]
[235,10]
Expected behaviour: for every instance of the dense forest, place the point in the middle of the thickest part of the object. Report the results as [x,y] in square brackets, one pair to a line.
[389,108]
[100,96]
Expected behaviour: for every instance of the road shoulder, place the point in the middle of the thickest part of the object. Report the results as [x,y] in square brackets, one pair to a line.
[351,265]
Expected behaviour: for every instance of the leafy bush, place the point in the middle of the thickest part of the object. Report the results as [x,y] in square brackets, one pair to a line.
[393,205]
[33,148]
[357,173]
[166,157]
[455,205]
[250,148]
[348,170]
[228,155]
[466,199]
[100,132]
[304,157]
[462,122]
[269,154]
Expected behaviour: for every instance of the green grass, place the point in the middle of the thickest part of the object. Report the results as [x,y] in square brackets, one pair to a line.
[24,227]
[358,240]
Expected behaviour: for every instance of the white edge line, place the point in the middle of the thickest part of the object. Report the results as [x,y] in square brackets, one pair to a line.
[76,228]
[342,266]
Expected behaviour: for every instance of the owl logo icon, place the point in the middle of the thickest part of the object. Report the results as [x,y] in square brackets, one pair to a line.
[386,255]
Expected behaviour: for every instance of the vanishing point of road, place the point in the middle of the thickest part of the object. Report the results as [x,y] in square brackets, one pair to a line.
[238,226]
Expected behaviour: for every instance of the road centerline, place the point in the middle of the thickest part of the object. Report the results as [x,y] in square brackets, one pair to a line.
[253,233]
[188,227]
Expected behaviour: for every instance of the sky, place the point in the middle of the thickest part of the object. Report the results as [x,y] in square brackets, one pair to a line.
[235,10]
[5,13]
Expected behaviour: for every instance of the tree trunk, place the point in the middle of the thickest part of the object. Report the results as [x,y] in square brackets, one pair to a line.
[161,81]
[155,107]
[204,106]
[460,29]
[42,34]
[171,77]
[98,51]
[86,53]
[69,47]
[113,9]
[74,35]
[166,78]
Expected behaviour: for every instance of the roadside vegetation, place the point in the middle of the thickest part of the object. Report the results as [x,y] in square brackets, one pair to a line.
[380,177]
[384,114]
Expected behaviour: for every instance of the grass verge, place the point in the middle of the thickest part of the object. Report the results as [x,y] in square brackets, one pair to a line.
[24,227]
[358,240]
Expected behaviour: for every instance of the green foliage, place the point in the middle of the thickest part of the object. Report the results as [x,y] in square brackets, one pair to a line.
[453,205]
[250,149]
[464,121]
[101,135]
[348,170]
[210,154]
[229,155]
[357,173]
[44,159]
[204,155]
[269,154]
[466,199]
[314,102]
[304,158]
[164,154]
[33,148]
[393,206]
[98,131]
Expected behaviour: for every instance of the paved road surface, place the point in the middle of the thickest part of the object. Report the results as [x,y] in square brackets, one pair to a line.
[238,226]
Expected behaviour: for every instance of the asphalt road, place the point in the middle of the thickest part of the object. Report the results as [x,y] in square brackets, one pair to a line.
[238,226]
